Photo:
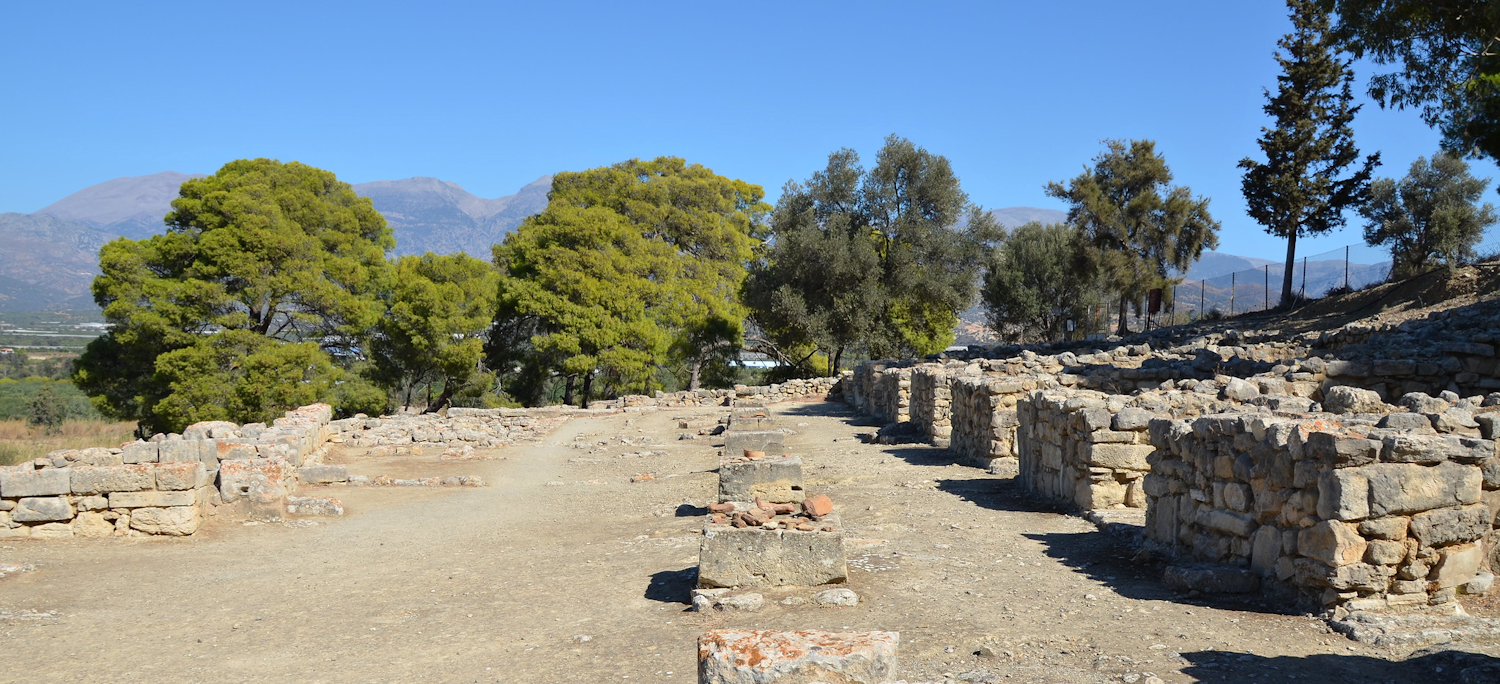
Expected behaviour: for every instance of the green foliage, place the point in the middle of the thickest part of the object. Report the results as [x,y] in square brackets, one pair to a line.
[259,256]
[877,261]
[1431,216]
[16,395]
[1137,225]
[1448,54]
[1307,181]
[1036,281]
[630,267]
[46,410]
[441,309]
[19,366]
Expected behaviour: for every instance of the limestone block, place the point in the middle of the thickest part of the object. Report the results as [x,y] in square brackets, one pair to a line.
[42,509]
[90,524]
[179,475]
[323,474]
[18,482]
[1341,450]
[140,452]
[1410,422]
[1132,418]
[106,479]
[314,505]
[1210,579]
[1449,525]
[769,441]
[259,480]
[52,530]
[1392,528]
[1343,494]
[155,499]
[1434,449]
[179,451]
[1240,390]
[1410,488]
[775,479]
[734,656]
[91,503]
[1265,550]
[1121,456]
[1360,577]
[743,557]
[1385,552]
[1332,542]
[177,521]
[236,449]
[1457,565]
[1225,521]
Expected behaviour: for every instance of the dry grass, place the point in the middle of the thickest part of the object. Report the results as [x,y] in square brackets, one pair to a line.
[20,442]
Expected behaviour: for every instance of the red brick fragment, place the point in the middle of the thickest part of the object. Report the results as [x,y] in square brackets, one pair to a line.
[721,508]
[817,506]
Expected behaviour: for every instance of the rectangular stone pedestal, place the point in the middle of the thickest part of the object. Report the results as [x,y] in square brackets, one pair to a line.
[747,420]
[777,479]
[758,557]
[740,656]
[769,441]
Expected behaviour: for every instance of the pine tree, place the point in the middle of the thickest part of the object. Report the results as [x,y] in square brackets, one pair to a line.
[46,410]
[1312,171]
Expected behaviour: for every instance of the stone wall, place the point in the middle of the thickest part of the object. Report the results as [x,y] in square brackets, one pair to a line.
[791,390]
[931,400]
[984,419]
[1372,509]
[891,395]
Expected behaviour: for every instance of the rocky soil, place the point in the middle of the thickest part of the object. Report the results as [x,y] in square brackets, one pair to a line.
[575,563]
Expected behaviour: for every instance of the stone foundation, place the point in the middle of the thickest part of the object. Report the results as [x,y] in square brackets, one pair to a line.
[777,479]
[758,557]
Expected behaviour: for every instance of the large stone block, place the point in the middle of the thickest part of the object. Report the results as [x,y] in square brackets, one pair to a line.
[776,479]
[769,441]
[89,524]
[1344,399]
[140,452]
[1397,488]
[120,478]
[179,475]
[22,481]
[326,474]
[151,499]
[735,656]
[259,480]
[1120,456]
[751,556]
[42,509]
[1341,450]
[178,521]
[1343,494]
[1332,542]
[1457,565]
[179,451]
[1449,525]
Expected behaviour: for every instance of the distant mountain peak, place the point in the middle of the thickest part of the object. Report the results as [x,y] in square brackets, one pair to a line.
[130,205]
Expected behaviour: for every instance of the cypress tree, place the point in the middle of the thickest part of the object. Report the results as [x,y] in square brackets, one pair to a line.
[1309,177]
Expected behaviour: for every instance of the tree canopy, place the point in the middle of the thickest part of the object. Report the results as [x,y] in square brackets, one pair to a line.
[434,334]
[879,260]
[1036,281]
[1447,54]
[628,266]
[1431,216]
[1312,171]
[264,271]
[1139,227]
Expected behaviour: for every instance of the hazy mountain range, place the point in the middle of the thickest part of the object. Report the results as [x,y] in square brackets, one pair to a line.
[51,256]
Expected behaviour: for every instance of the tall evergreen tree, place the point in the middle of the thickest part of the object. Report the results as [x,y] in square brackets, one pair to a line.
[1139,227]
[1312,171]
[1431,215]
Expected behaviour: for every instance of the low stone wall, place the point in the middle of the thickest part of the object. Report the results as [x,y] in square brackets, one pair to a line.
[791,390]
[1362,509]
[479,428]
[931,400]
[861,393]
[984,419]
[891,400]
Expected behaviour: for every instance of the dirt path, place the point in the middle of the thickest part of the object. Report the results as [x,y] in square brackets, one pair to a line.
[562,570]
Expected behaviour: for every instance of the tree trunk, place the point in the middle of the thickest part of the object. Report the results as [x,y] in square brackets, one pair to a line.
[838,357]
[697,375]
[1123,329]
[588,386]
[1286,278]
[568,391]
[442,400]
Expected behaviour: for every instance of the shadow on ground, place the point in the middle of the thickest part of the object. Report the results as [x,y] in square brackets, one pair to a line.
[688,510]
[673,586]
[1434,666]
[831,409]
[996,495]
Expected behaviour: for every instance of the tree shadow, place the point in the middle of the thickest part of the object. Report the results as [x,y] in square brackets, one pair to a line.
[997,495]
[1117,562]
[673,586]
[1432,665]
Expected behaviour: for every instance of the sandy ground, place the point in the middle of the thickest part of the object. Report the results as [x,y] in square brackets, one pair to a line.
[563,570]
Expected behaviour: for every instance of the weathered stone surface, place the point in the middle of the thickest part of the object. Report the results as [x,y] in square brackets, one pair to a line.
[1412,422]
[22,481]
[42,509]
[328,474]
[836,597]
[1332,542]
[1122,456]
[1446,526]
[1342,450]
[314,505]
[1225,521]
[179,451]
[150,499]
[140,452]
[1132,418]
[1457,565]
[90,524]
[769,441]
[733,656]
[1397,488]
[179,475]
[723,600]
[106,479]
[258,480]
[1343,494]
[774,479]
[1240,390]
[177,521]
[52,530]
[732,557]
[1344,399]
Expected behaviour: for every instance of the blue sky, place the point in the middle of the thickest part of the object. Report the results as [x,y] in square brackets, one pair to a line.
[491,95]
